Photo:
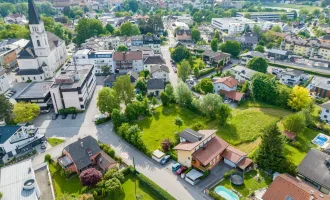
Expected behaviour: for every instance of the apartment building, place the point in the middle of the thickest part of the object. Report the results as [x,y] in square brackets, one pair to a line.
[269,16]
[4,82]
[127,61]
[233,25]
[98,58]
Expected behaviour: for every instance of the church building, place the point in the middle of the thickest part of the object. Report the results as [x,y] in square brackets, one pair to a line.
[45,52]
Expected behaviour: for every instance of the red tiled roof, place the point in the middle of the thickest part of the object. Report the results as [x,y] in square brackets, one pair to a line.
[228,80]
[212,149]
[127,56]
[289,134]
[237,96]
[285,186]
[233,154]
[244,163]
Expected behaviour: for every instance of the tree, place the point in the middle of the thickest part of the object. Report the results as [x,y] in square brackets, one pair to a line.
[86,197]
[231,47]
[316,12]
[206,85]
[25,112]
[107,100]
[223,114]
[129,29]
[154,101]
[117,118]
[195,35]
[170,92]
[166,145]
[247,15]
[209,104]
[5,108]
[122,48]
[124,89]
[183,94]
[109,28]
[256,29]
[299,98]
[184,70]
[178,121]
[90,177]
[295,122]
[180,53]
[132,5]
[105,69]
[113,187]
[217,35]
[114,173]
[165,98]
[258,64]
[260,48]
[270,155]
[284,18]
[141,85]
[214,44]
[88,28]
[199,63]
[276,28]
[264,88]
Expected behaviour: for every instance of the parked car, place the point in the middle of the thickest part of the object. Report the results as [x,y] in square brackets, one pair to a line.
[176,166]
[74,116]
[227,101]
[165,159]
[54,117]
[43,146]
[64,116]
[181,170]
[175,70]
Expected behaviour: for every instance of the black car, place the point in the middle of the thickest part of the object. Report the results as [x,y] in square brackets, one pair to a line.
[54,117]
[64,116]
[74,116]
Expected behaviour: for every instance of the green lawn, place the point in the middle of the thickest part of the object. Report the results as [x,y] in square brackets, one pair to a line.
[129,190]
[250,183]
[161,125]
[54,141]
[293,6]
[63,185]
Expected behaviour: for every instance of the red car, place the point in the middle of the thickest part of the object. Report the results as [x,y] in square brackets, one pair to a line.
[181,170]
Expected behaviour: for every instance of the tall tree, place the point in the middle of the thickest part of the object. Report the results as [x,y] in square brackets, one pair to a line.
[260,48]
[209,104]
[231,47]
[90,177]
[109,28]
[183,94]
[25,112]
[214,44]
[180,53]
[264,88]
[299,98]
[184,70]
[195,35]
[124,89]
[295,122]
[258,64]
[107,100]
[206,85]
[217,35]
[129,29]
[5,108]
[223,113]
[122,48]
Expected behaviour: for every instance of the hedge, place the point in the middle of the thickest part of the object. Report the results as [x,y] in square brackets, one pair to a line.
[154,188]
[206,71]
[108,150]
[128,170]
[70,110]
[215,196]
[102,120]
[297,68]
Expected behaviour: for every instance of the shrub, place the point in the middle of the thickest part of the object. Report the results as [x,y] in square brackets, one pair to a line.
[173,155]
[70,110]
[48,158]
[113,187]
[128,170]
[84,189]
[107,149]
[229,173]
[198,126]
[205,174]
[90,177]
[166,144]
[65,173]
[206,71]
[215,196]
[102,120]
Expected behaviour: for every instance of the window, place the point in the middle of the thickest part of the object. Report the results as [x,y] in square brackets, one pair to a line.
[82,106]
[29,78]
[327,111]
[41,77]
[23,78]
[38,43]
[188,158]
[34,78]
[325,116]
[80,99]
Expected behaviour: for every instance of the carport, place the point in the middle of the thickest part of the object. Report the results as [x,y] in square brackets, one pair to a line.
[193,176]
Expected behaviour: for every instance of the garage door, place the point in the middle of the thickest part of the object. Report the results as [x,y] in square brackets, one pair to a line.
[228,162]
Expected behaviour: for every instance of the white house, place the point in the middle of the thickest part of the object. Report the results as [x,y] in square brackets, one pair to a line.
[291,77]
[246,57]
[16,19]
[185,19]
[4,82]
[155,86]
[325,113]
[233,25]
[160,71]
[243,74]
[41,57]
[18,139]
[98,58]
[227,83]
[153,61]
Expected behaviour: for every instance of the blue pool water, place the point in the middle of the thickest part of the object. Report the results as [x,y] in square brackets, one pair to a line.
[225,193]
[320,140]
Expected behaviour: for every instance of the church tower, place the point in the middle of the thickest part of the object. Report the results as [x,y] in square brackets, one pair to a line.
[37,31]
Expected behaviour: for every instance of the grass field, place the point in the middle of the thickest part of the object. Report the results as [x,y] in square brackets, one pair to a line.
[54,141]
[293,6]
[129,190]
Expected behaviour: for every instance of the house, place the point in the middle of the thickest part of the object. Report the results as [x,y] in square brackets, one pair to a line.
[19,19]
[203,150]
[4,82]
[24,181]
[233,25]
[127,61]
[227,83]
[183,35]
[290,188]
[155,86]
[243,74]
[84,153]
[247,40]
[246,57]
[146,50]
[278,54]
[314,169]
[16,140]
[320,86]
[291,77]
[160,72]
[216,57]
[325,112]
[152,41]
[153,61]
[97,58]
[110,79]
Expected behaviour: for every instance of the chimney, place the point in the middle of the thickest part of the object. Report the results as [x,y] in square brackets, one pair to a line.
[82,144]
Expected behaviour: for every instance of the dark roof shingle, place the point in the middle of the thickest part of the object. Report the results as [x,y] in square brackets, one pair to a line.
[156,84]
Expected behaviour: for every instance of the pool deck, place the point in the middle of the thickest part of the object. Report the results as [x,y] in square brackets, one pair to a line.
[325,144]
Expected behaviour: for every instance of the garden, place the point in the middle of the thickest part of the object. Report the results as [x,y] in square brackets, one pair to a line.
[54,141]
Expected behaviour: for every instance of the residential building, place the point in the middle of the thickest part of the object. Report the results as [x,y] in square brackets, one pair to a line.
[232,25]
[278,54]
[314,169]
[44,54]
[146,50]
[4,82]
[16,44]
[320,86]
[291,77]
[270,16]
[127,61]
[155,86]
[183,35]
[19,19]
[73,87]
[152,41]
[60,4]
[17,140]
[137,40]
[288,187]
[227,83]
[247,40]
[180,25]
[160,72]
[203,150]
[243,74]
[153,61]
[246,57]
[111,79]
[38,93]
[214,58]
[98,58]
[325,112]
[83,154]
[8,57]
[187,19]
[24,181]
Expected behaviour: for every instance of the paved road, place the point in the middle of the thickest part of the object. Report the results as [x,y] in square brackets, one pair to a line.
[306,67]
[83,125]
[167,57]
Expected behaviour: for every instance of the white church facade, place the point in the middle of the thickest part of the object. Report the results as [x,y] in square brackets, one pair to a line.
[45,52]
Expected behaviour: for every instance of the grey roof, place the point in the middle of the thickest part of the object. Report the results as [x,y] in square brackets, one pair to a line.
[79,153]
[154,60]
[12,180]
[292,72]
[315,167]
[244,71]
[33,14]
[191,135]
[24,72]
[53,40]
[155,83]
[133,75]
[110,78]
[35,90]
[326,105]
[278,51]
[182,31]
[27,52]
[253,54]
[321,82]
[156,68]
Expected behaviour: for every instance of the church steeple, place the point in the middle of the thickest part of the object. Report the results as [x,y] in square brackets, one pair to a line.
[33,14]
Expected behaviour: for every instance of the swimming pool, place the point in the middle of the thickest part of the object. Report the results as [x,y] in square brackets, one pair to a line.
[225,193]
[320,140]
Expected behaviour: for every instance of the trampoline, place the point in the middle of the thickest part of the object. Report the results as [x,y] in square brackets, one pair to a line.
[236,179]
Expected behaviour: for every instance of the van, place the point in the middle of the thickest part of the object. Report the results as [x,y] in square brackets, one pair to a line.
[176,166]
